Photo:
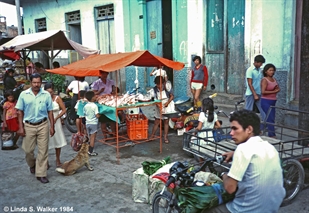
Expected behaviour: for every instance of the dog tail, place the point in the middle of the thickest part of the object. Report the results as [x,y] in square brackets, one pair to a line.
[60,170]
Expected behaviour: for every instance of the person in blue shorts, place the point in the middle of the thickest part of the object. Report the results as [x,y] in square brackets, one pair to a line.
[79,107]
[91,112]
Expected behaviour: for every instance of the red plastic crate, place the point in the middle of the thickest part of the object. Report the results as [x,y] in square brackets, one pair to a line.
[137,134]
[137,126]
[136,121]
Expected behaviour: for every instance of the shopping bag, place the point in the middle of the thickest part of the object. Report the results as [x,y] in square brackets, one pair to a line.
[77,141]
[6,139]
[140,186]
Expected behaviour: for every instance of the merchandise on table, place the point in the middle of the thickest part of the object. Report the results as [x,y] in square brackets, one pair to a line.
[120,100]
[116,101]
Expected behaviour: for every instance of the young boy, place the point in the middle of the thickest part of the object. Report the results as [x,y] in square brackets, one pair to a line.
[79,107]
[91,113]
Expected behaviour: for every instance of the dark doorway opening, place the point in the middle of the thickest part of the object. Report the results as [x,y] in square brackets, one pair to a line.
[167,34]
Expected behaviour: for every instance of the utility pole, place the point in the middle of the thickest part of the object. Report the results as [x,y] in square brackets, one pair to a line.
[20,30]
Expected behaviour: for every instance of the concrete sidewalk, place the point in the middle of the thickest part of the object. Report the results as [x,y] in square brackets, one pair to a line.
[107,189]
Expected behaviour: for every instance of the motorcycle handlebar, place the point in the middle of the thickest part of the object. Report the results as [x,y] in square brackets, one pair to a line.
[219,159]
[182,172]
[171,179]
[239,102]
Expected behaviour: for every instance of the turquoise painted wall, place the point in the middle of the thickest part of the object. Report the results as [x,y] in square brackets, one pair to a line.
[137,36]
[134,39]
[180,46]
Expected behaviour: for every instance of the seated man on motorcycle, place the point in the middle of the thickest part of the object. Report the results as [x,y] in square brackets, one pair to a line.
[255,175]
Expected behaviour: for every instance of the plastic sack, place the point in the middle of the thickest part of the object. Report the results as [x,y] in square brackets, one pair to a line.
[6,139]
[77,141]
[140,186]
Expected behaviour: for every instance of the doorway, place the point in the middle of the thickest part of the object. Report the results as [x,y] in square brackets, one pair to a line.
[224,54]
[159,33]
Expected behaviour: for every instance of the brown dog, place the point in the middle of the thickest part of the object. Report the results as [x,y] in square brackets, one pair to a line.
[80,160]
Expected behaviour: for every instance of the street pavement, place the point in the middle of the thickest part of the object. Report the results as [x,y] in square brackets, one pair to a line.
[107,189]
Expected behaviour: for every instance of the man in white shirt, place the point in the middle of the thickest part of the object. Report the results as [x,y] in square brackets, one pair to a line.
[255,175]
[104,86]
[159,71]
[75,86]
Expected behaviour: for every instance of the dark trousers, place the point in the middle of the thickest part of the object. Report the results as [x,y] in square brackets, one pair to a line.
[73,103]
[266,104]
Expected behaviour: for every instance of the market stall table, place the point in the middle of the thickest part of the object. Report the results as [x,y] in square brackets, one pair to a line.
[119,141]
[94,64]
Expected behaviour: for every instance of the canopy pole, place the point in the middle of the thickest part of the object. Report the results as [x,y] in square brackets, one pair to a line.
[46,53]
[24,57]
[20,30]
[57,54]
[120,87]
[51,59]
[136,79]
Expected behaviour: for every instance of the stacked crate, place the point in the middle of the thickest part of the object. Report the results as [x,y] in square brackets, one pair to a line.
[137,126]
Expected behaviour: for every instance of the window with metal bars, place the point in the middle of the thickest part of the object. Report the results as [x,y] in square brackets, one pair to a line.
[73,17]
[105,12]
[40,24]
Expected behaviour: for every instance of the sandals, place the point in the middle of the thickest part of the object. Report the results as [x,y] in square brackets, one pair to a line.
[152,137]
[92,153]
[166,141]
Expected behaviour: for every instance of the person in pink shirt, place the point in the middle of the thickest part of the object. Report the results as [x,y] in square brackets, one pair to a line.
[104,86]
[269,90]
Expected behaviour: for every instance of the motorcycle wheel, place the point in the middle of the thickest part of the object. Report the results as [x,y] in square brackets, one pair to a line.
[163,203]
[293,179]
[70,123]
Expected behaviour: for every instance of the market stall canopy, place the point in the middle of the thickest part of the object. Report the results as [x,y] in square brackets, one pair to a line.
[46,41]
[92,65]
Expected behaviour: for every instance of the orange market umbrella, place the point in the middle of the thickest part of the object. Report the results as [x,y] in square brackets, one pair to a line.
[10,55]
[92,65]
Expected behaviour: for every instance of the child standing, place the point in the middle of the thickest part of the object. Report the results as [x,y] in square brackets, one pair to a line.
[161,93]
[91,112]
[10,121]
[79,107]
